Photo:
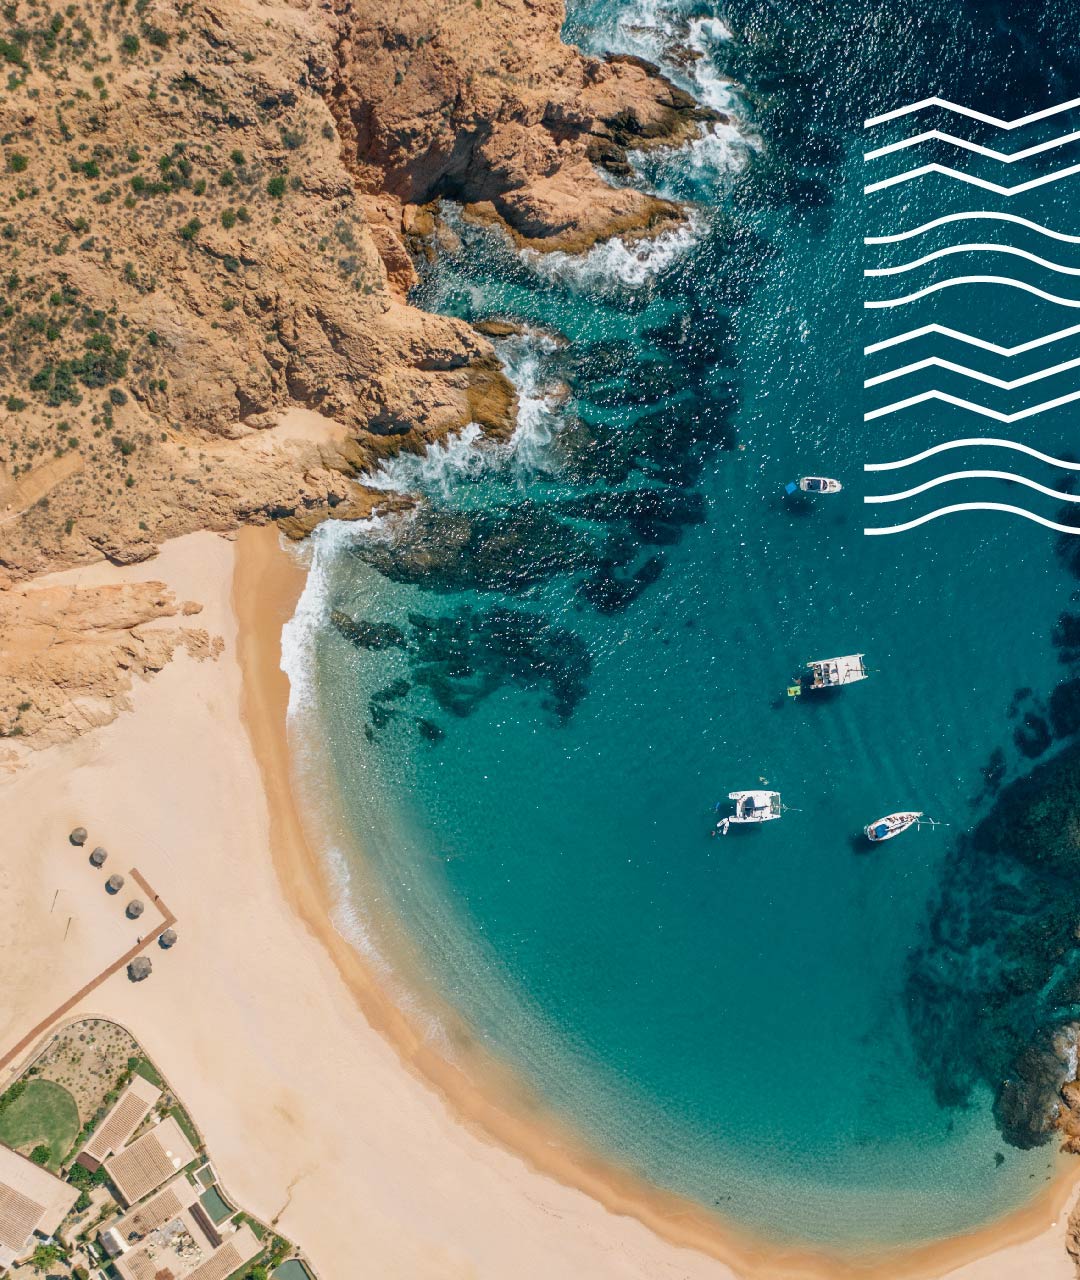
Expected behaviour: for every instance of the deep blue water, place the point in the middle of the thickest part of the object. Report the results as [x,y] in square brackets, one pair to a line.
[582,642]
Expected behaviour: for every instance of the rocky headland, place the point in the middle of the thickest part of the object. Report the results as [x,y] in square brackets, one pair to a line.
[211,220]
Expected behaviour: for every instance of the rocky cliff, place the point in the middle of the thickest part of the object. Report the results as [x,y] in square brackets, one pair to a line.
[207,232]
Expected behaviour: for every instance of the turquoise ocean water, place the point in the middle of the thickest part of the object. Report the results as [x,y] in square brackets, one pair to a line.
[537,688]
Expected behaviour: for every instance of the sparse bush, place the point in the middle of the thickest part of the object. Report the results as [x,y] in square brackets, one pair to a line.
[17,162]
[276,186]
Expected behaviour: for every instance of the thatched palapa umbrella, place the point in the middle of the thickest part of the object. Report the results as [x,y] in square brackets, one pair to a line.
[134,909]
[139,968]
[167,939]
[78,836]
[97,858]
[114,884]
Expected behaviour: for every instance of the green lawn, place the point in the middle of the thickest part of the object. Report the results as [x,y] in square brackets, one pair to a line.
[45,1113]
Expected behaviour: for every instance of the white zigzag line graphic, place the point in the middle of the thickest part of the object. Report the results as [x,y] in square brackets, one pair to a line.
[973,248]
[958,280]
[1003,384]
[1018,123]
[996,187]
[1031,412]
[973,475]
[972,506]
[973,215]
[944,331]
[935,135]
[972,442]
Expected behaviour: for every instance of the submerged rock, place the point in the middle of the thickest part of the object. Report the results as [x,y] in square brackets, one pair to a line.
[1028,1103]
[367,635]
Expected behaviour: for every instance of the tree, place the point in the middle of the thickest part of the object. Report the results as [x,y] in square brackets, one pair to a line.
[41,1154]
[45,1255]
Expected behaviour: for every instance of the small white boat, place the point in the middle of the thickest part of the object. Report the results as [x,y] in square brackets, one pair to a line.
[819,484]
[751,806]
[891,825]
[830,673]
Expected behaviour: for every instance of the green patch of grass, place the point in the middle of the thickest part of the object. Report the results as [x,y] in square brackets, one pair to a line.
[44,1114]
[184,1121]
[143,1066]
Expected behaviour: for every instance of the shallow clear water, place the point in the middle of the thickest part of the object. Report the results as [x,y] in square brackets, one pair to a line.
[738,1020]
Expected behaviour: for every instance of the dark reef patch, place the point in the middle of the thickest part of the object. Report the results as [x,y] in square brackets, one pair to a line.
[991,992]
[464,657]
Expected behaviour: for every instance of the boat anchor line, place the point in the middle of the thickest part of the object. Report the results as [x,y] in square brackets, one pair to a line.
[897,181]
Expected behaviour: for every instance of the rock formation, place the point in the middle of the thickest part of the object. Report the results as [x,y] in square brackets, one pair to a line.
[68,655]
[210,226]
[483,102]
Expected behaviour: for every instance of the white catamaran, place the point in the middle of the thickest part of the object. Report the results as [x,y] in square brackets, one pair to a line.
[830,673]
[751,806]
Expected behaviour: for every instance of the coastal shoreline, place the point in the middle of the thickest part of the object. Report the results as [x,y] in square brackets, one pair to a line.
[499,1111]
[328,1111]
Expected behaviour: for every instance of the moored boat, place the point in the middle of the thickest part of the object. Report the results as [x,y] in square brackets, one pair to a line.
[750,807]
[830,673]
[819,484]
[891,825]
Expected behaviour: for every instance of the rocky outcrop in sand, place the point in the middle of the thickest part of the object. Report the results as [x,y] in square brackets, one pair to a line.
[69,655]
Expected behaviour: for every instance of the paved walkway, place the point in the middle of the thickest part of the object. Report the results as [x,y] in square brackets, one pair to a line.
[168,920]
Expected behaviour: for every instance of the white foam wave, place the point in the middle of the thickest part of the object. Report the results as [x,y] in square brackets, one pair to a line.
[713,89]
[300,633]
[525,360]
[616,264]
[439,469]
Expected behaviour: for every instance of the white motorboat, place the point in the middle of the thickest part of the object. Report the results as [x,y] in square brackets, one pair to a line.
[819,484]
[891,825]
[830,673]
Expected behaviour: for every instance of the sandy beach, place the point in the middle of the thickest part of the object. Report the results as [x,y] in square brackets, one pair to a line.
[323,1107]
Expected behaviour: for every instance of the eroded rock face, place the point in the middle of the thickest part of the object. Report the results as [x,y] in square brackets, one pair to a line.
[484,103]
[190,260]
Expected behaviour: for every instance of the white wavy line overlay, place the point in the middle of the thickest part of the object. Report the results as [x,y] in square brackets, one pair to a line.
[1006,157]
[973,442]
[971,113]
[943,331]
[1009,249]
[973,475]
[1003,384]
[958,280]
[973,215]
[972,506]
[924,397]
[996,187]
